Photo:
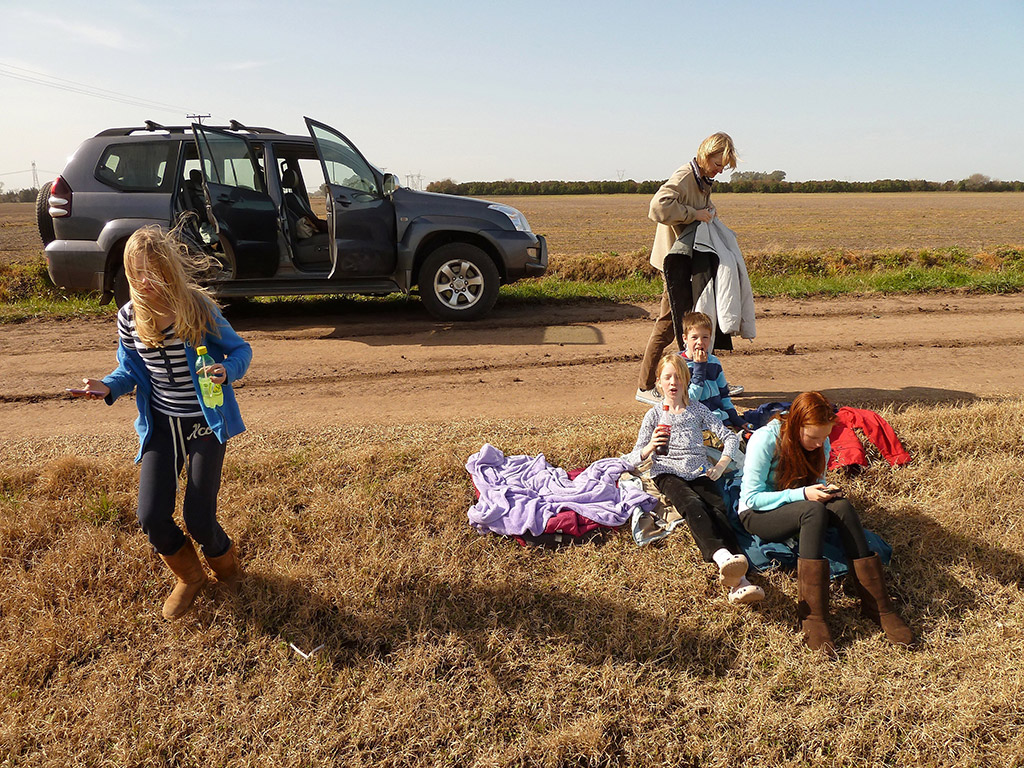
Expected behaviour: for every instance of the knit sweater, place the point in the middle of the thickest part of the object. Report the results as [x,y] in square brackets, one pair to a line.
[687,456]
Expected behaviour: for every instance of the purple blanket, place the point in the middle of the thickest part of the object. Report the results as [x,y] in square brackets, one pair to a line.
[521,493]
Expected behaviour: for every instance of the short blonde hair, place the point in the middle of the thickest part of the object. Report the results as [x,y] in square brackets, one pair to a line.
[675,360]
[715,143]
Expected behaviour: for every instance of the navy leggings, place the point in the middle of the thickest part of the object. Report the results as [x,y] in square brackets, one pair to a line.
[172,440]
[811,519]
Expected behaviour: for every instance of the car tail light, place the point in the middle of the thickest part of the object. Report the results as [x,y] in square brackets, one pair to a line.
[60,198]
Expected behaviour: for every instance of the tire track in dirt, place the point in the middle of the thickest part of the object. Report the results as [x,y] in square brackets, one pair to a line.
[535,362]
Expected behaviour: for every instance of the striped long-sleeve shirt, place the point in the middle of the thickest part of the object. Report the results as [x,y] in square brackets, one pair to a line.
[708,385]
[173,391]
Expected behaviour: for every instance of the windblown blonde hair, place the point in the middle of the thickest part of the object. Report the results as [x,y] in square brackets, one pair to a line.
[675,360]
[171,268]
[715,143]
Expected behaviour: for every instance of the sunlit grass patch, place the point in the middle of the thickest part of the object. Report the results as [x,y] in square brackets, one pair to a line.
[443,647]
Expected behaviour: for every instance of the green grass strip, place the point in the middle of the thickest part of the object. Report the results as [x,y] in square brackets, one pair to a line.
[48,302]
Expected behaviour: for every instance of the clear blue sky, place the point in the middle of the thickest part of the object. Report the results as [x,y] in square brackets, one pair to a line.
[538,90]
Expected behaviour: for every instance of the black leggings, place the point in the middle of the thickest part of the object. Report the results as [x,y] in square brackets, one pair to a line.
[811,519]
[699,501]
[171,440]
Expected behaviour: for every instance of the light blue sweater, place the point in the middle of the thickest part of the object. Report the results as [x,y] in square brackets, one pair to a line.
[758,488]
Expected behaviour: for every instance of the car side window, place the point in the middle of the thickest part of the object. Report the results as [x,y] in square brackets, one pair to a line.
[137,167]
[343,166]
[231,161]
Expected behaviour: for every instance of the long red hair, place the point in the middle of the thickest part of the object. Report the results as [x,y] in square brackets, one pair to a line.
[797,467]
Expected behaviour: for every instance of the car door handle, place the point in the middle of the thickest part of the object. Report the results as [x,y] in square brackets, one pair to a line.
[342,200]
[224,198]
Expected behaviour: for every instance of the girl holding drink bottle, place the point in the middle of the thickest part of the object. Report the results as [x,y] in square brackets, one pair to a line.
[684,474]
[160,330]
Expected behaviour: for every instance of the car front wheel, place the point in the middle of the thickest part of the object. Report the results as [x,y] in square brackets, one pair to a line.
[458,281]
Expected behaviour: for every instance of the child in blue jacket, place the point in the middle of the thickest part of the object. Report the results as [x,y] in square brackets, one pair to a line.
[168,317]
[707,378]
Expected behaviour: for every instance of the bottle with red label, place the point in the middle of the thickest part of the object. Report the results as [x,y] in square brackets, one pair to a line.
[664,426]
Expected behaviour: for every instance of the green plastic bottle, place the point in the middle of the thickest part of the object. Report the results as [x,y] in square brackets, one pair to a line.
[213,394]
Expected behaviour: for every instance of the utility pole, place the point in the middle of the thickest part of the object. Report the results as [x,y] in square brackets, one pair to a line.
[198,118]
[35,176]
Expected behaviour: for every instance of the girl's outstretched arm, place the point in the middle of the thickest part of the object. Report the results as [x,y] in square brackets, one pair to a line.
[91,389]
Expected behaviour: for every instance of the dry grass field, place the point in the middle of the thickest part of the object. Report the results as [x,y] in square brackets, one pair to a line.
[767,224]
[441,647]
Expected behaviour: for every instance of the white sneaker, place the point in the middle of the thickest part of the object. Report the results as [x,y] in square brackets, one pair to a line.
[650,396]
[735,389]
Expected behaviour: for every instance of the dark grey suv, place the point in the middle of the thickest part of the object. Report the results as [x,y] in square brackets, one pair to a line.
[243,194]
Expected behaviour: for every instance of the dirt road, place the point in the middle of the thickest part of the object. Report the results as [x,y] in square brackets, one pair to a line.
[529,362]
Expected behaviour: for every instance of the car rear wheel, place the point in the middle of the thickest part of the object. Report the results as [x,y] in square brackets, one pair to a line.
[458,281]
[121,292]
[43,219]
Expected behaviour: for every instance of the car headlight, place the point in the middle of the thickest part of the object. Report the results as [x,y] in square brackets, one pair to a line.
[516,217]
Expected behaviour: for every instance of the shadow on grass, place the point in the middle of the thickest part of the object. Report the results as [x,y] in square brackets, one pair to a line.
[927,553]
[491,620]
[862,397]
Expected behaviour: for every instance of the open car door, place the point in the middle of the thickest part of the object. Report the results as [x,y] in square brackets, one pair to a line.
[236,196]
[360,218]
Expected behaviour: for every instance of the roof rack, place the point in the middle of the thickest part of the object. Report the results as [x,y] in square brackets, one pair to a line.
[150,127]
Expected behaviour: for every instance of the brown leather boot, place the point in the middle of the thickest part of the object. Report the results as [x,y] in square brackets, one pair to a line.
[812,580]
[227,569]
[191,577]
[875,602]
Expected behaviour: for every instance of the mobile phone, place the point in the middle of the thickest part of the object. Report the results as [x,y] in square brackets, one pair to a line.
[832,489]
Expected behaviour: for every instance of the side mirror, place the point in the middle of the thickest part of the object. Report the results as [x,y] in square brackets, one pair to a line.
[390,183]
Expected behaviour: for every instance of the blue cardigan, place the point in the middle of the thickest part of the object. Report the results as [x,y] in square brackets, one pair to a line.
[228,348]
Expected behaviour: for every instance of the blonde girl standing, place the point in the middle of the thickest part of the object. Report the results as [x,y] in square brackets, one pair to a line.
[168,317]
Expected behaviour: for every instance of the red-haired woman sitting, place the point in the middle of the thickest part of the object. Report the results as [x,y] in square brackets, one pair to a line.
[784,494]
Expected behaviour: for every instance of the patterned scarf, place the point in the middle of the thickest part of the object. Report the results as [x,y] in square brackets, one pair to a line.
[703,182]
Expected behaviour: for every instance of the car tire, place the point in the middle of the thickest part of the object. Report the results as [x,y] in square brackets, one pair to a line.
[44,221]
[121,292]
[458,281]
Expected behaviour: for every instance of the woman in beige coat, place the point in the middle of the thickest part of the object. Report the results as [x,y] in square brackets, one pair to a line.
[683,199]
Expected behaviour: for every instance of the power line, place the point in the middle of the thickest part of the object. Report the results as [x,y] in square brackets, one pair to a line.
[72,86]
[28,170]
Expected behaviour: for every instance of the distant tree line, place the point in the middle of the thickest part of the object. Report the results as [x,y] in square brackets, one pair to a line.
[741,181]
[18,195]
